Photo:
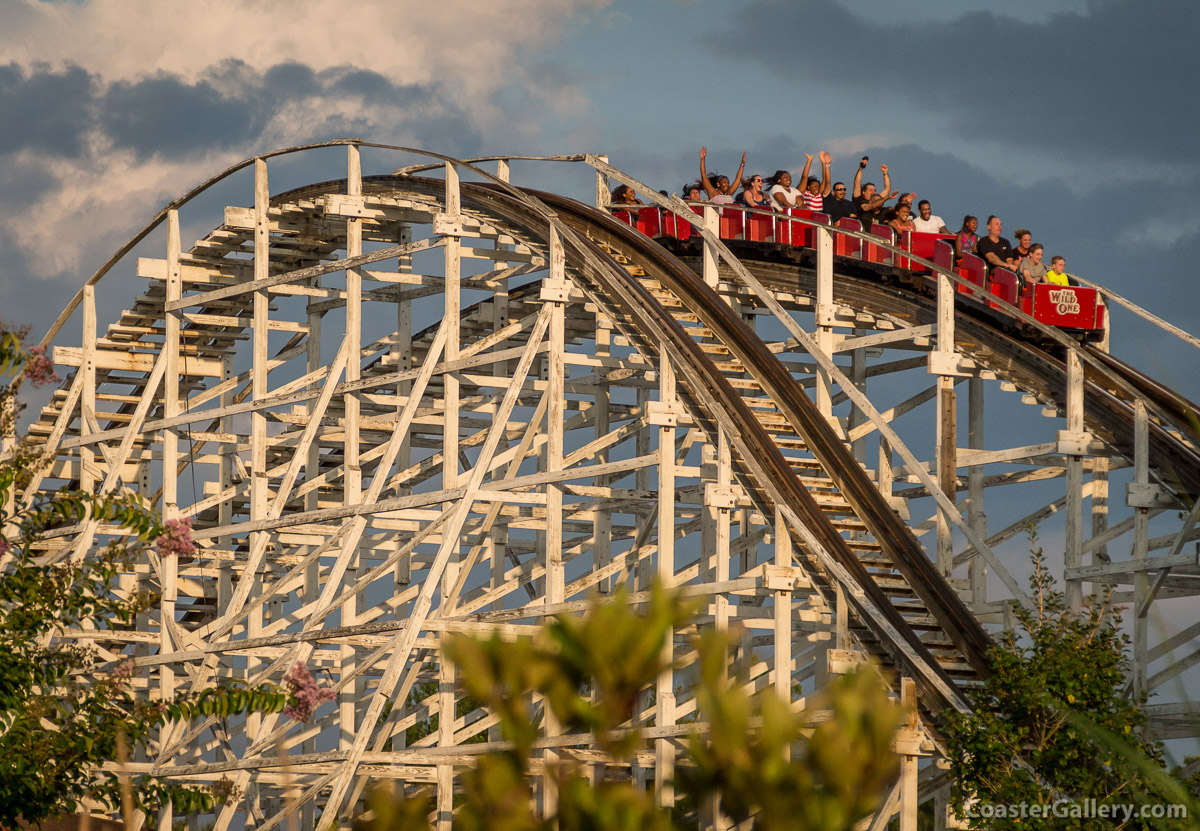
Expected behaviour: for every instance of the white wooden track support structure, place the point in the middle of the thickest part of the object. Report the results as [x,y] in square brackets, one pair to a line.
[397,406]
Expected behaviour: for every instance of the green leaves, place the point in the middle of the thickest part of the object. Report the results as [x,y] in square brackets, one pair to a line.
[1055,700]
[753,753]
[12,351]
[839,774]
[86,702]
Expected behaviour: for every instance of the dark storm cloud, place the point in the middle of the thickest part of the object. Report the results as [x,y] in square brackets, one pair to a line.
[288,79]
[43,110]
[233,104]
[230,106]
[166,114]
[22,184]
[368,85]
[1118,80]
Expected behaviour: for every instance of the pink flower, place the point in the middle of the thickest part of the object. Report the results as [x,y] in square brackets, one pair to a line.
[304,694]
[176,539]
[121,674]
[4,546]
[38,368]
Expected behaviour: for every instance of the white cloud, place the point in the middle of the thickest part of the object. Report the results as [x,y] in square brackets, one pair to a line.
[1159,231]
[854,144]
[463,49]
[463,44]
[85,213]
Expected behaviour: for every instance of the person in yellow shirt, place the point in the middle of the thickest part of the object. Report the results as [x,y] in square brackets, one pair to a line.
[1055,275]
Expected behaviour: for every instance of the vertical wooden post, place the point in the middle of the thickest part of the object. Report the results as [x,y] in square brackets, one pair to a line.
[947,467]
[641,480]
[977,569]
[858,376]
[555,418]
[908,762]
[554,293]
[402,354]
[350,701]
[825,316]
[259,391]
[228,453]
[721,498]
[87,400]
[497,541]
[947,423]
[312,469]
[601,420]
[783,616]
[721,551]
[450,476]
[1073,549]
[711,259]
[1141,546]
[665,688]
[170,472]
[1100,504]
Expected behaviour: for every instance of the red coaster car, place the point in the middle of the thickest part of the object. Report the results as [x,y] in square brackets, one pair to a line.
[1068,307]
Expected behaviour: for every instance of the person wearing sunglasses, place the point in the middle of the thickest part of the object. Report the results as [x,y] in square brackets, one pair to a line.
[752,195]
[836,205]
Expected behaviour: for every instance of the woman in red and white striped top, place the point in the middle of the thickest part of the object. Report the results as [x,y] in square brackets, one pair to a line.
[815,190]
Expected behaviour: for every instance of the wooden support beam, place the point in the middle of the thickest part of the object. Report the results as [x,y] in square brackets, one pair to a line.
[554,293]
[1073,545]
[947,465]
[976,517]
[351,443]
[1141,527]
[261,284]
[826,315]
[402,645]
[664,708]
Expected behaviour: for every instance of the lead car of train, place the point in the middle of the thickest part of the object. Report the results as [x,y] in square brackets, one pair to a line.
[1077,309]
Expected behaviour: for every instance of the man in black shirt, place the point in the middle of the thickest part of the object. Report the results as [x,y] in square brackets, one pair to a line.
[867,202]
[995,250]
[836,205]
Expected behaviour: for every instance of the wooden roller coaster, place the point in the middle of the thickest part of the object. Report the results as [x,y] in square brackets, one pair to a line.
[402,405]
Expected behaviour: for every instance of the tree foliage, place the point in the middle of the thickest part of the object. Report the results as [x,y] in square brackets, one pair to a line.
[591,672]
[64,710]
[1052,722]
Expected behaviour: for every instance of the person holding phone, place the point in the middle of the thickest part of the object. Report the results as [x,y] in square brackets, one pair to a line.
[868,202]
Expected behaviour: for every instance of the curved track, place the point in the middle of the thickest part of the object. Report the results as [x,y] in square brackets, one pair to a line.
[1035,367]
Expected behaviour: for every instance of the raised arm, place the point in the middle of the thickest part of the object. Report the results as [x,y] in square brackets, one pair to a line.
[880,198]
[857,192]
[826,179]
[736,181]
[803,183]
[709,188]
[887,180]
